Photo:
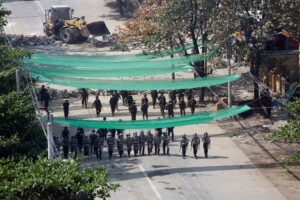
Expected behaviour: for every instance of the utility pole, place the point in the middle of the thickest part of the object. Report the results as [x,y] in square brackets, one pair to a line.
[228,55]
[50,137]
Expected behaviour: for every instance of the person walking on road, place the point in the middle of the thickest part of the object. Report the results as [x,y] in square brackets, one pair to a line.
[142,143]
[80,136]
[195,143]
[120,145]
[154,96]
[170,108]
[65,144]
[136,143]
[113,104]
[149,139]
[128,143]
[66,109]
[170,131]
[84,97]
[110,144]
[192,105]
[162,104]
[182,106]
[97,104]
[74,146]
[157,142]
[183,145]
[166,142]
[206,143]
[144,109]
[133,111]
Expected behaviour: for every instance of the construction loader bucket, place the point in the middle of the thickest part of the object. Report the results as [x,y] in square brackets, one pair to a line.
[98,28]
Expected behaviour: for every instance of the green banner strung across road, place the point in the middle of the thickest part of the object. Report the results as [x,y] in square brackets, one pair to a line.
[198,118]
[104,84]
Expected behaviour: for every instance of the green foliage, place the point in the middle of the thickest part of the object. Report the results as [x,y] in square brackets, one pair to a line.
[3,12]
[53,180]
[293,159]
[11,57]
[8,80]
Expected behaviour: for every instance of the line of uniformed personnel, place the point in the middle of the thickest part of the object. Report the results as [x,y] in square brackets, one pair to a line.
[96,141]
[128,101]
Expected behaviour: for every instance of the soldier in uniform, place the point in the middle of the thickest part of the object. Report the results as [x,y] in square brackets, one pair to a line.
[157,141]
[84,97]
[74,146]
[142,143]
[170,131]
[180,94]
[97,104]
[65,144]
[144,109]
[206,143]
[133,111]
[80,136]
[86,146]
[113,104]
[154,96]
[110,145]
[192,105]
[136,143]
[129,101]
[195,143]
[65,133]
[166,141]
[124,94]
[120,144]
[172,96]
[66,109]
[170,108]
[183,145]
[92,139]
[162,104]
[182,107]
[145,99]
[149,139]
[128,143]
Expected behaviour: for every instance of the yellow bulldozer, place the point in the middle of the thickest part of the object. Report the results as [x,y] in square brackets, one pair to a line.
[59,22]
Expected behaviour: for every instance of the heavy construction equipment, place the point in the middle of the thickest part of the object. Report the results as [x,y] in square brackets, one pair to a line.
[59,22]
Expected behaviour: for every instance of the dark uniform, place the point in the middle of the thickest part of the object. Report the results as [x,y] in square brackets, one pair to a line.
[84,97]
[172,96]
[97,104]
[110,145]
[206,143]
[136,143]
[46,101]
[133,111]
[144,109]
[86,146]
[157,141]
[66,109]
[120,145]
[195,143]
[162,104]
[128,142]
[142,143]
[145,99]
[149,139]
[43,91]
[74,146]
[170,108]
[166,142]
[154,96]
[124,94]
[100,145]
[129,101]
[183,145]
[65,144]
[96,146]
[182,107]
[65,133]
[170,131]
[180,94]
[192,105]
[113,104]
[93,137]
[80,135]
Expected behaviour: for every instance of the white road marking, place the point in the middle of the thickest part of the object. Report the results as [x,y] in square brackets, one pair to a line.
[150,183]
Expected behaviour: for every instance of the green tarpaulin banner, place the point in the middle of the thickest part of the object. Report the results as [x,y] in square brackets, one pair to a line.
[104,84]
[198,118]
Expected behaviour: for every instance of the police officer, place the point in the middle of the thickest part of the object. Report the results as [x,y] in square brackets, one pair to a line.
[93,137]
[170,108]
[192,105]
[65,133]
[124,94]
[65,144]
[162,104]
[80,136]
[166,141]
[206,143]
[154,96]
[142,143]
[144,109]
[66,109]
[129,101]
[74,146]
[157,141]
[133,111]
[195,143]
[97,104]
[136,143]
[110,145]
[182,107]
[183,145]
[172,96]
[84,97]
[149,139]
[86,146]
[170,131]
[120,144]
[113,104]
[128,143]
[180,94]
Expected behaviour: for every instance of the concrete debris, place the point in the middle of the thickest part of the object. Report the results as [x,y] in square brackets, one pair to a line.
[31,41]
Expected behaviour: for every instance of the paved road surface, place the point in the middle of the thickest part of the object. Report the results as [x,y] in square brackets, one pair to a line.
[28,16]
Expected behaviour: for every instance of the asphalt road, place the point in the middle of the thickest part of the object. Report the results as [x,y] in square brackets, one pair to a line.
[28,16]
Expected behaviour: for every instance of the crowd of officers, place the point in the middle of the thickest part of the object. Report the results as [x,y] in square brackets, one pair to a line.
[176,97]
[139,143]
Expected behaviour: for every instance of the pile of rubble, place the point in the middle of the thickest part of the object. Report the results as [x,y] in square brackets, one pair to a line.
[31,41]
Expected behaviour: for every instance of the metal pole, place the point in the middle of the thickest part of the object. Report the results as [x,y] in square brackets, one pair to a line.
[18,80]
[50,138]
[229,68]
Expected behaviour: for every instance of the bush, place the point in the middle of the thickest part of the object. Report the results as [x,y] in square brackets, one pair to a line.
[52,179]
